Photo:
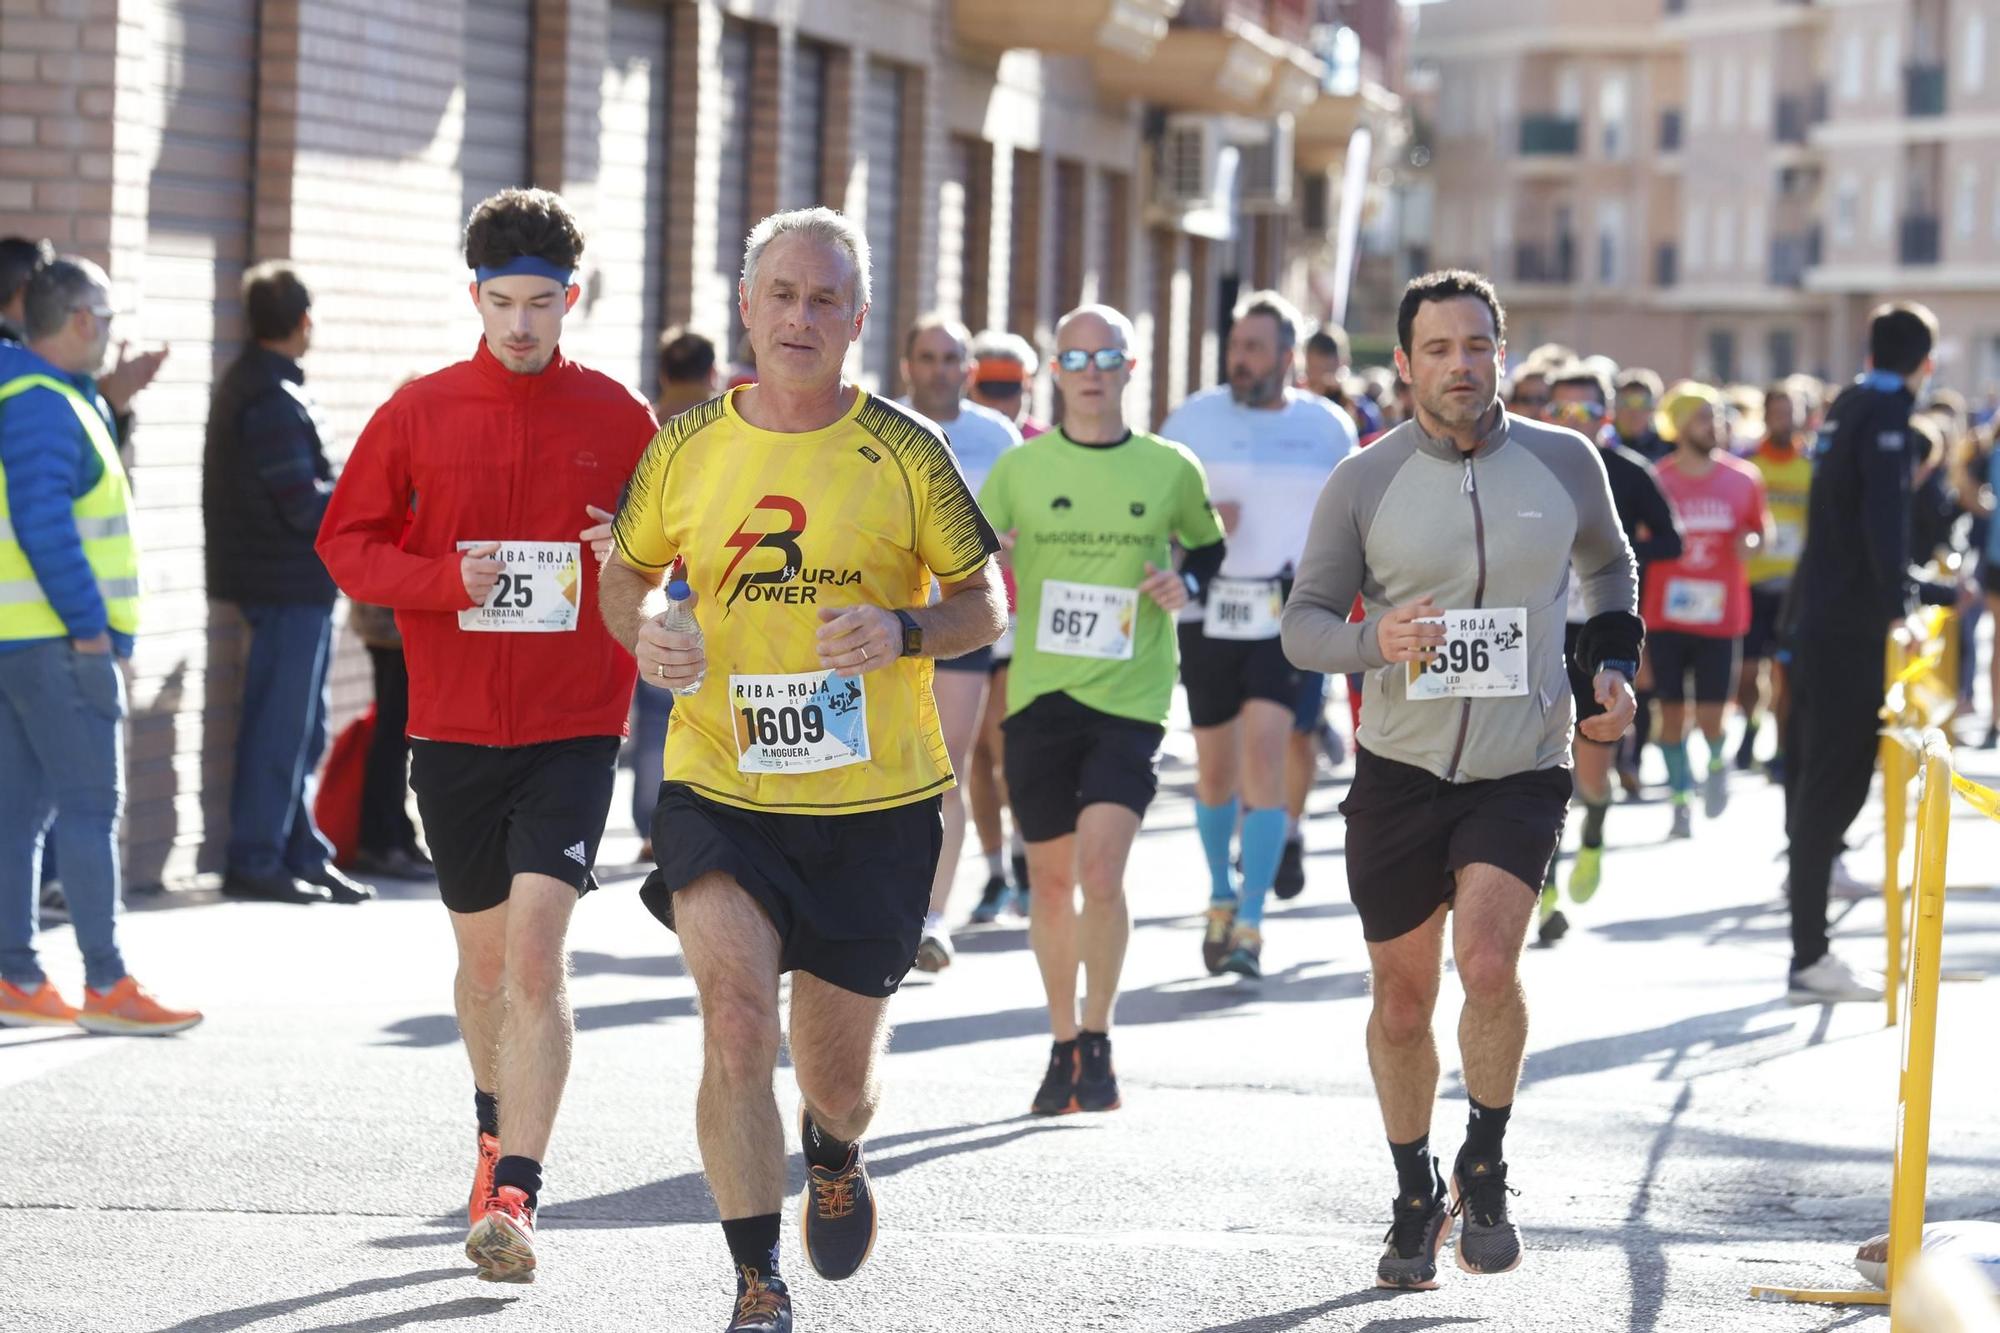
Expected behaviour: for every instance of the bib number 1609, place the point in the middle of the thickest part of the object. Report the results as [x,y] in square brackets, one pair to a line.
[785,726]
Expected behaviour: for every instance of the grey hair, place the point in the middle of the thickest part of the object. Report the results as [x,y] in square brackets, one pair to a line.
[1271,303]
[57,290]
[995,345]
[1115,318]
[826,225]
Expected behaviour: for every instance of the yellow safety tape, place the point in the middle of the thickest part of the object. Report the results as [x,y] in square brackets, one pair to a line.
[1983,799]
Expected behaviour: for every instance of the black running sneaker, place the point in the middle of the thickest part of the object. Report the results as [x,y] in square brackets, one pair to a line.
[991,899]
[1291,880]
[1409,1259]
[1057,1095]
[1488,1240]
[762,1305]
[837,1216]
[1096,1081]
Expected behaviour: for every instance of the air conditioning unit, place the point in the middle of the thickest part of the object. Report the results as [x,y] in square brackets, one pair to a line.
[1187,161]
[1266,170]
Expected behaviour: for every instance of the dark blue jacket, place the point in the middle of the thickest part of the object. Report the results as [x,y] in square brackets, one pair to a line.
[265,483]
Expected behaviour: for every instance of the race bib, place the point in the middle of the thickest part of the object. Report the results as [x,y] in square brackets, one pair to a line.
[1244,609]
[1696,601]
[1484,656]
[1788,541]
[536,592]
[804,723]
[1087,620]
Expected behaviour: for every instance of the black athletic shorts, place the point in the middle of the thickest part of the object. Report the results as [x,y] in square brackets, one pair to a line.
[1061,756]
[1762,640]
[1408,834]
[493,812]
[979,659]
[846,893]
[1221,675]
[1582,684]
[1676,656]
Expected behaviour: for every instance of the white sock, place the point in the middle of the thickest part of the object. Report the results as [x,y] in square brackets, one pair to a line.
[934,923]
[1291,828]
[996,864]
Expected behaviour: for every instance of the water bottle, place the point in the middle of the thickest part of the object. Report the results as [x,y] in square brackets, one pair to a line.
[680,619]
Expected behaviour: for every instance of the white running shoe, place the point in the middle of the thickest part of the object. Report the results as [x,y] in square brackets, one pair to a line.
[1831,981]
[1847,886]
[1715,793]
[934,951]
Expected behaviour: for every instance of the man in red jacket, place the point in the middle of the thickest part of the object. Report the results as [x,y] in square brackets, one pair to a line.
[477,504]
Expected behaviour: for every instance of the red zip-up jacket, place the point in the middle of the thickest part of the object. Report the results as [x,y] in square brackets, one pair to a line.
[478,453]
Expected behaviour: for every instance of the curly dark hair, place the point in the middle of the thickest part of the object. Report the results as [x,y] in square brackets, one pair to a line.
[514,223]
[1446,285]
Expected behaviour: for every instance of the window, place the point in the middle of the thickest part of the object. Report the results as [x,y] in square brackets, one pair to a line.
[1760,93]
[1614,97]
[1853,56]
[1753,235]
[1729,96]
[1847,210]
[1783,350]
[1972,53]
[1721,354]
[1699,92]
[1996,209]
[1965,203]
[1888,66]
[1694,228]
[1569,92]
[1883,214]
[1610,241]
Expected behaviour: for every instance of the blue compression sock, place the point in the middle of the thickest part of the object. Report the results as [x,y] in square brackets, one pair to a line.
[1217,826]
[1263,846]
[1679,780]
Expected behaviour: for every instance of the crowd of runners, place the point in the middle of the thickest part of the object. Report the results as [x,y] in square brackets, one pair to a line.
[890,598]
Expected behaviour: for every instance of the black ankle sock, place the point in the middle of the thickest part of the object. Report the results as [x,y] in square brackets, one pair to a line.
[822,1149]
[488,1108]
[523,1173]
[1485,1127]
[1413,1167]
[753,1244]
[1593,822]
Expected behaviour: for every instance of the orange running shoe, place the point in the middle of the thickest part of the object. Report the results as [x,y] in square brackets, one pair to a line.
[128,1010]
[42,1007]
[502,1242]
[482,1179]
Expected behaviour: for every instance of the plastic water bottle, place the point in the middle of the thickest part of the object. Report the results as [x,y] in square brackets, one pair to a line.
[680,620]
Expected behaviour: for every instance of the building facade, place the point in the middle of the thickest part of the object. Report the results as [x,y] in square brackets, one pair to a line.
[1723,188]
[1009,159]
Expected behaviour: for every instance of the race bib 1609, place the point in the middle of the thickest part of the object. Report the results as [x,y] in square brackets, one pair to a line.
[803,723]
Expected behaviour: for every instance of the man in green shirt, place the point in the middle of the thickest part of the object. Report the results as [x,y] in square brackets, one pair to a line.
[1089,513]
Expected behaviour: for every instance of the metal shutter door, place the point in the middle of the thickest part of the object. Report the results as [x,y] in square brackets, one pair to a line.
[493,155]
[805,170]
[732,186]
[882,142]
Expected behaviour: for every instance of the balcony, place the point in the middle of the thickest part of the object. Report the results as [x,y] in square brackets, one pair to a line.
[1535,262]
[1549,136]
[1666,264]
[1792,255]
[1670,130]
[1217,56]
[1918,241]
[1129,28]
[1923,90]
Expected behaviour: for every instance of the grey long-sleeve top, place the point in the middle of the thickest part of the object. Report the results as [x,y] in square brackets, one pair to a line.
[1412,515]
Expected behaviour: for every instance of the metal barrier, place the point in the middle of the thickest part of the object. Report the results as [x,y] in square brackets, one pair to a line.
[1919,691]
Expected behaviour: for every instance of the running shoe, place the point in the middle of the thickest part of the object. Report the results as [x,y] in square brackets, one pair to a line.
[1584,874]
[1488,1240]
[1215,935]
[1057,1095]
[42,1007]
[1554,925]
[837,1215]
[1018,863]
[482,1178]
[1246,952]
[1096,1081]
[1409,1257]
[1833,981]
[934,952]
[1774,769]
[1847,886]
[1683,822]
[1746,753]
[1291,878]
[128,1010]
[763,1305]
[502,1241]
[1715,792]
[991,899]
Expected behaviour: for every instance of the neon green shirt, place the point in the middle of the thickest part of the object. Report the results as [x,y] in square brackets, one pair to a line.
[1087,519]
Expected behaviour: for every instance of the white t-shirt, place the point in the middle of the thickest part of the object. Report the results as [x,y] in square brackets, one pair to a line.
[1270,462]
[978,435]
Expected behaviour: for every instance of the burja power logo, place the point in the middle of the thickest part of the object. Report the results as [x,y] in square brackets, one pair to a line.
[775,525]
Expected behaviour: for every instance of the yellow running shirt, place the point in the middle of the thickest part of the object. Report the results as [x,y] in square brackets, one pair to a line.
[1787,474]
[774,528]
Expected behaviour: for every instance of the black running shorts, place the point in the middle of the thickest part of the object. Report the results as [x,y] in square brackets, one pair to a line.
[1762,640]
[1676,656]
[846,893]
[1061,756]
[1409,834]
[493,812]
[1221,675]
[979,660]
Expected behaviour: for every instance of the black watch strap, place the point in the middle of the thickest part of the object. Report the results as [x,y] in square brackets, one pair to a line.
[913,635]
[1625,667]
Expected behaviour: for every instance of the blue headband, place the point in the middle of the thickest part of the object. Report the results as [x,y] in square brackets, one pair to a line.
[532,266]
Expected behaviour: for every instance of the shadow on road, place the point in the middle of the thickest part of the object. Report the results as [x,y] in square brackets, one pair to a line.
[466,1307]
[222,1321]
[428,1030]
[1299,1318]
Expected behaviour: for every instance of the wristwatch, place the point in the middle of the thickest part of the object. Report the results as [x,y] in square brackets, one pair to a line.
[913,635]
[1623,666]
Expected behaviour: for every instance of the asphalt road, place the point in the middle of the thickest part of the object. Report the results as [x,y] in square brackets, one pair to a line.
[300,1161]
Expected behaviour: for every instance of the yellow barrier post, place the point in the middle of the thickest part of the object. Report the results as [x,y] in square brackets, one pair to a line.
[1895,814]
[1913,1117]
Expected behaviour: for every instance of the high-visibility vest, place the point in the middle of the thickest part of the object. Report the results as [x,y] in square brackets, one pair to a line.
[103,521]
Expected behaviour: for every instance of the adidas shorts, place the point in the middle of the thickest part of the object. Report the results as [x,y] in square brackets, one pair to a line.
[493,812]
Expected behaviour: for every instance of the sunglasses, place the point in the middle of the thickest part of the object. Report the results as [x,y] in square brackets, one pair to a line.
[1104,358]
[1579,414]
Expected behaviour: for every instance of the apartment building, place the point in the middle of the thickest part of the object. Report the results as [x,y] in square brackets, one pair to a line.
[1723,187]
[1010,158]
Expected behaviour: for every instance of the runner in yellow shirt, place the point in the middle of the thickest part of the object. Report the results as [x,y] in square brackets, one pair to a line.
[1786,466]
[798,826]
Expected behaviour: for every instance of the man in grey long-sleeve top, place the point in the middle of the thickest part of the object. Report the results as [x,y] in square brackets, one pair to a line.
[1458,530]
